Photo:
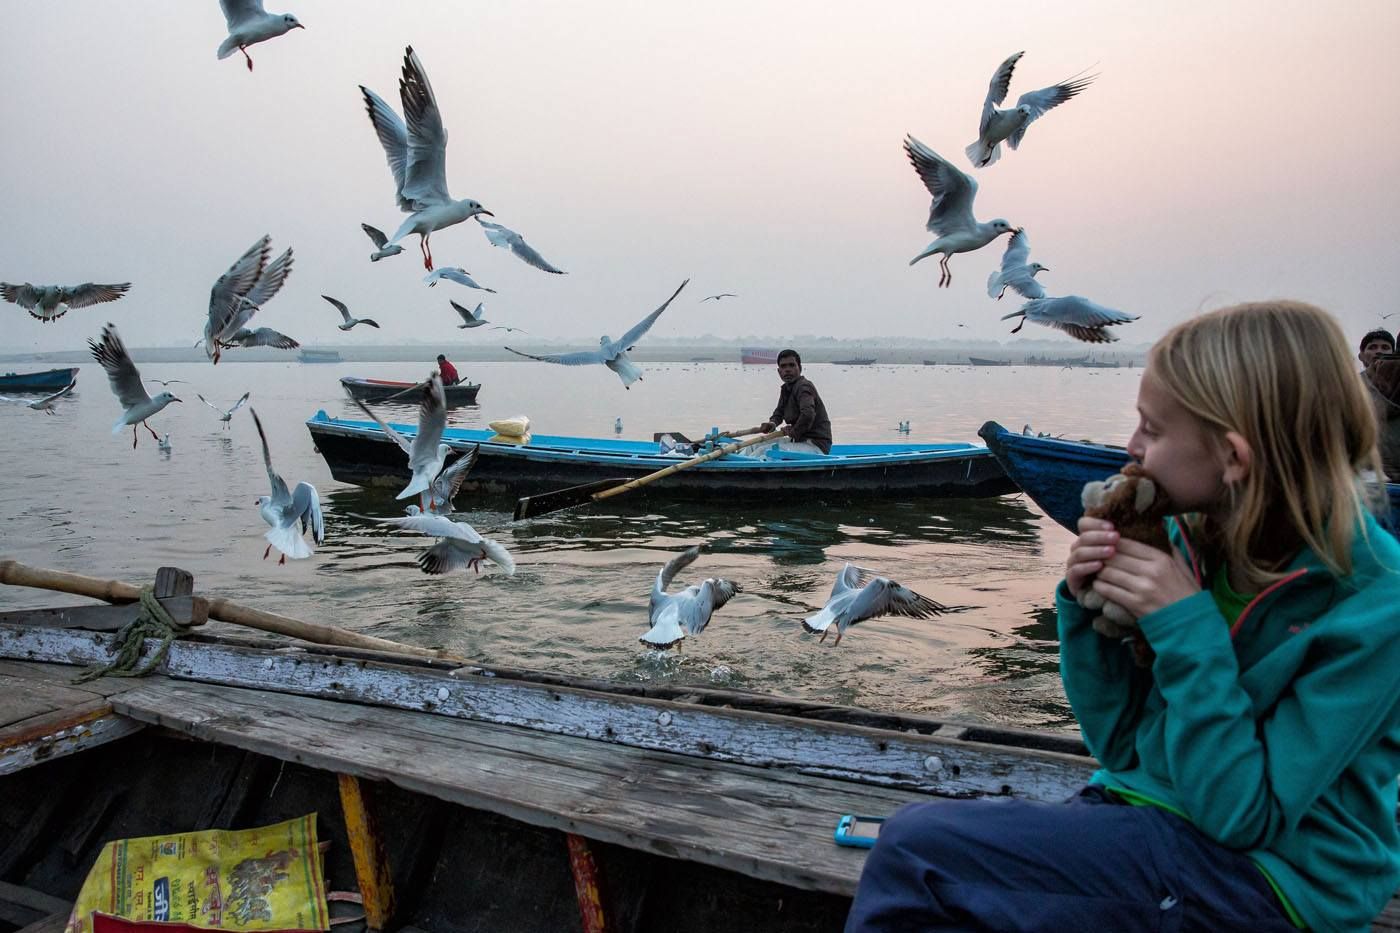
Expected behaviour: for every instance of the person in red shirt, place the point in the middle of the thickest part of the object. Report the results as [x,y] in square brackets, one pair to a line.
[447,371]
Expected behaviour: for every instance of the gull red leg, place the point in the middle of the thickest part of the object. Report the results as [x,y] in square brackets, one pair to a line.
[423,248]
[825,632]
[246,55]
[133,437]
[837,643]
[266,551]
[282,561]
[152,430]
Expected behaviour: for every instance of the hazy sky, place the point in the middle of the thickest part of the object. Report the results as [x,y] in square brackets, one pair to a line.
[1229,151]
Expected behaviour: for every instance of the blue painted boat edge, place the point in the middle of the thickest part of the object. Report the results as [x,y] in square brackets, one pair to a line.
[46,380]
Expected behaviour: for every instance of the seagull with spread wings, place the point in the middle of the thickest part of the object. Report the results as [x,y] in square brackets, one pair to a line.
[51,302]
[611,353]
[469,318]
[426,453]
[950,216]
[1017,272]
[349,321]
[1010,126]
[1079,317]
[239,293]
[225,415]
[718,297]
[46,403]
[507,238]
[126,384]
[459,546]
[454,274]
[285,510]
[381,248]
[249,24]
[262,337]
[444,487]
[417,155]
[859,595]
[673,616]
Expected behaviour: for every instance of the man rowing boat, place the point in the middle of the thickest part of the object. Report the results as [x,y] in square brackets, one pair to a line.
[799,409]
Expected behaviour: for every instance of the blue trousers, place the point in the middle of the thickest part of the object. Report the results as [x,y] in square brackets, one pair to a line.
[1091,863]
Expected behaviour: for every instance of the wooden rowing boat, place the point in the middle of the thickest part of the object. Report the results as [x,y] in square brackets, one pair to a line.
[383,390]
[49,380]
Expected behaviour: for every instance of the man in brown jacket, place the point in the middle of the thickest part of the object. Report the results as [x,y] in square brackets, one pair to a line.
[799,409]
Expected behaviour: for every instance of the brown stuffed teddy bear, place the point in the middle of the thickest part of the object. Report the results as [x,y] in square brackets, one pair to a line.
[1136,507]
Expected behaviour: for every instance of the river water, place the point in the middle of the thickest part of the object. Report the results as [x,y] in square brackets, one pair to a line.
[77,498]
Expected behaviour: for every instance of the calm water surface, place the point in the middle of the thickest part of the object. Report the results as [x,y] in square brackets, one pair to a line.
[77,498]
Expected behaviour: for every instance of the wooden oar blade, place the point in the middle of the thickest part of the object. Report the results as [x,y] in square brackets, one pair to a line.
[557,499]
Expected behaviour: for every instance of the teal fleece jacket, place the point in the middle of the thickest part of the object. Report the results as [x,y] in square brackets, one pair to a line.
[1280,739]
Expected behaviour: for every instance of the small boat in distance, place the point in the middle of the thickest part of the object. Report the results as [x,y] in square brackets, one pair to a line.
[758,356]
[50,380]
[856,361]
[384,390]
[983,361]
[319,356]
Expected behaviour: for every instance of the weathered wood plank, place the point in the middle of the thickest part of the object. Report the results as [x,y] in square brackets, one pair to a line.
[61,675]
[192,610]
[767,824]
[62,732]
[25,698]
[948,767]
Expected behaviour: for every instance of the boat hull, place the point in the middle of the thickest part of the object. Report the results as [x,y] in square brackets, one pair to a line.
[359,453]
[382,390]
[50,380]
[1053,471]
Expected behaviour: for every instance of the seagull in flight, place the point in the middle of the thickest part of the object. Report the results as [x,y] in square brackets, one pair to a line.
[126,384]
[345,315]
[1079,317]
[454,274]
[469,318]
[51,302]
[426,453]
[859,595]
[446,484]
[1016,272]
[612,354]
[1010,125]
[417,155]
[509,329]
[46,403]
[950,216]
[507,238]
[240,292]
[718,297]
[166,382]
[262,337]
[381,249]
[249,24]
[284,510]
[673,616]
[225,416]
[458,547]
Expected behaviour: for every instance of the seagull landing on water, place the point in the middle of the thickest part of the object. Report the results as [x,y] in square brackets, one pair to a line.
[458,547]
[417,154]
[249,24]
[454,274]
[284,510]
[443,489]
[164,444]
[950,216]
[46,403]
[469,318]
[507,238]
[1016,272]
[125,379]
[381,250]
[427,453]
[858,595]
[1079,317]
[239,293]
[226,416]
[1010,125]
[612,354]
[51,302]
[673,616]
[349,321]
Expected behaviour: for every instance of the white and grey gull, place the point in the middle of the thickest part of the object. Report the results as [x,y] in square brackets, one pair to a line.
[47,403]
[950,216]
[125,379]
[673,616]
[225,414]
[469,318]
[291,513]
[507,238]
[859,595]
[381,248]
[348,322]
[248,24]
[51,302]
[454,274]
[239,293]
[1017,272]
[1077,316]
[426,452]
[1010,126]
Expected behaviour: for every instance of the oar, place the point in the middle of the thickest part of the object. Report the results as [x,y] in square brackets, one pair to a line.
[546,502]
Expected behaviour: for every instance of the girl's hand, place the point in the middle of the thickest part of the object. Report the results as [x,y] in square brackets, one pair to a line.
[1094,546]
[1142,579]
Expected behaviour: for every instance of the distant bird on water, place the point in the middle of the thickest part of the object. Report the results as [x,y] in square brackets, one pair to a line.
[349,321]
[950,216]
[507,238]
[718,297]
[46,403]
[454,274]
[859,595]
[225,415]
[126,384]
[612,354]
[285,509]
[417,155]
[1079,317]
[51,302]
[249,24]
[239,293]
[617,425]
[426,453]
[469,318]
[673,616]
[1017,272]
[1010,125]
[164,444]
[381,249]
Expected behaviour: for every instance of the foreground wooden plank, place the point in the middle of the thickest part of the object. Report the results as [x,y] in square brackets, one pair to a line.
[768,824]
[62,732]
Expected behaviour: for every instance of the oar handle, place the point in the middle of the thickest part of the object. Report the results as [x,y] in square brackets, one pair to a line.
[685,465]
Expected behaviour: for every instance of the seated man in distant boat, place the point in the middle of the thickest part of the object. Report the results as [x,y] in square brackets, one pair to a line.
[447,371]
[799,409]
[1382,378]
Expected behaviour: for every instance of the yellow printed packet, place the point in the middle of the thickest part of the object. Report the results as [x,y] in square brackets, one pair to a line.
[267,878]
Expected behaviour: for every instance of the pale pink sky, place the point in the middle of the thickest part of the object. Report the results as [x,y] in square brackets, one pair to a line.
[1229,151]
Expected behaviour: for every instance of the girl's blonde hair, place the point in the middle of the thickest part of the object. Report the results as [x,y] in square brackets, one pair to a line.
[1278,373]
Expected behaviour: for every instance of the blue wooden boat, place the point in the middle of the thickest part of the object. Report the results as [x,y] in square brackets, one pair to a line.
[1052,471]
[358,452]
[50,380]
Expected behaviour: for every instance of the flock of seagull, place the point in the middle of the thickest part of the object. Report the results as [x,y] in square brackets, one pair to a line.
[414,145]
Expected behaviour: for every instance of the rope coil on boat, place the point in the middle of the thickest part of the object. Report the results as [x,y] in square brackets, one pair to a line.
[154,621]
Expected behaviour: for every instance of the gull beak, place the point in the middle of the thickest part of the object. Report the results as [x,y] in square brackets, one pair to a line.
[298,26]
[487,213]
[177,400]
[1012,314]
